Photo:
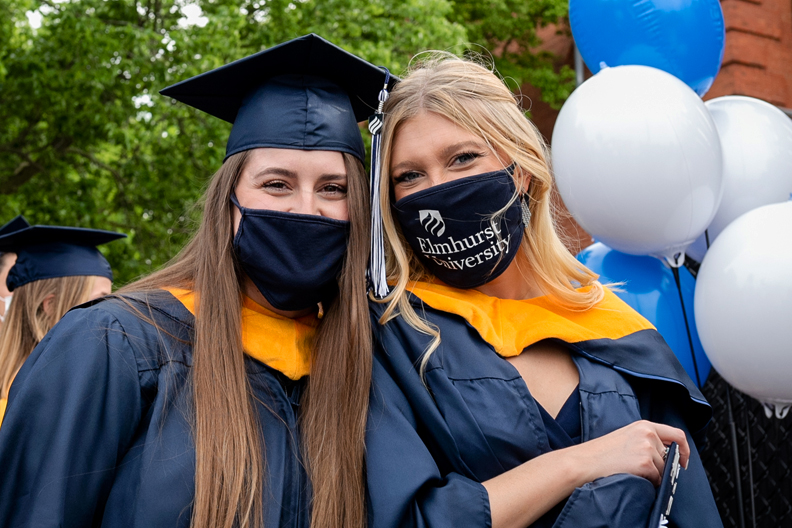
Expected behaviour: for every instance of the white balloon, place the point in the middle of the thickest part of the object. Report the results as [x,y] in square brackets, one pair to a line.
[638,162]
[743,304]
[756,138]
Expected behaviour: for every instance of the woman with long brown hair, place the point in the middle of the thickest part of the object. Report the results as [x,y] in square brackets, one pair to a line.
[55,268]
[186,399]
[509,387]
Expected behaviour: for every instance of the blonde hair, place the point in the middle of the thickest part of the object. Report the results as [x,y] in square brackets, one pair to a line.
[27,322]
[476,100]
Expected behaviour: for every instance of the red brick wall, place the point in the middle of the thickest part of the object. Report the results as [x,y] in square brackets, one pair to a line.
[758,58]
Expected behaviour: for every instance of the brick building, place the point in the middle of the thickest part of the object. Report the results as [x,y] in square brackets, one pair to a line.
[757,62]
[758,57]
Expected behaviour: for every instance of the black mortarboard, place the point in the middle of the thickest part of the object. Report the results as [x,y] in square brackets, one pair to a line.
[46,252]
[305,94]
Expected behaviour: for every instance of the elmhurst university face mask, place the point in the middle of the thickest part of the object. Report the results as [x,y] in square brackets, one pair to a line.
[293,259]
[451,229]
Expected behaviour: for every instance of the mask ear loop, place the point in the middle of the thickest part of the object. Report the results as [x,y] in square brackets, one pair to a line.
[377,278]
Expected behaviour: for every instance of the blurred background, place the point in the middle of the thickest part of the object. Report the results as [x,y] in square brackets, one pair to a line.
[85,139]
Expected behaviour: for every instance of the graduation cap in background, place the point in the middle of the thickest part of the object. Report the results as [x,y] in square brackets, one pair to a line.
[305,94]
[46,252]
[14,225]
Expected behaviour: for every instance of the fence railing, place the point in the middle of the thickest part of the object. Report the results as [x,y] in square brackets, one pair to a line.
[764,446]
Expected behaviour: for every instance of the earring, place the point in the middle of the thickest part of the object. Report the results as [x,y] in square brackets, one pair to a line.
[526,211]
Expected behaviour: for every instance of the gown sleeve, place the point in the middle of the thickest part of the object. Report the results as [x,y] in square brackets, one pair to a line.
[71,417]
[406,487]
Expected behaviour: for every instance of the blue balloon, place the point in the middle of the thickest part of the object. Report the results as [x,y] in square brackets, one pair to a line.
[685,38]
[649,287]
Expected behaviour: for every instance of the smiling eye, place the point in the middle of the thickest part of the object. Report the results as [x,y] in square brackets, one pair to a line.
[274,185]
[334,189]
[465,157]
[405,177]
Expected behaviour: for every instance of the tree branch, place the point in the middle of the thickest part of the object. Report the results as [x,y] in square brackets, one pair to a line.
[90,157]
[120,180]
[23,172]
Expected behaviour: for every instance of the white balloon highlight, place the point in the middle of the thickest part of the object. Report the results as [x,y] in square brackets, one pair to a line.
[743,304]
[756,138]
[638,162]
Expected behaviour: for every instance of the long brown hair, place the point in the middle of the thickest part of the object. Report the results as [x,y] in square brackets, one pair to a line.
[230,465]
[27,322]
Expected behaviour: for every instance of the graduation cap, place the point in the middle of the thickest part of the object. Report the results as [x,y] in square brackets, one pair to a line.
[46,252]
[305,94]
[14,225]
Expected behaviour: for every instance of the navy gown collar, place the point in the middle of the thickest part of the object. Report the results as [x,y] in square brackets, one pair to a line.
[643,354]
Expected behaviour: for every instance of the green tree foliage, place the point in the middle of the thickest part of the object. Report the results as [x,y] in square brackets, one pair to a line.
[86,140]
[506,29]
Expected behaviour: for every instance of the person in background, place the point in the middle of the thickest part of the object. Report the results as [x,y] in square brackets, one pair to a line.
[509,387]
[56,268]
[185,399]
[7,260]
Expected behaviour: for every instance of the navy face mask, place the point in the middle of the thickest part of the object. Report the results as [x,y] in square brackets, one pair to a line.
[293,259]
[451,230]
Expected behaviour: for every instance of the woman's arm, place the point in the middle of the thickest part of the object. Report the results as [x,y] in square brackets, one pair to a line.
[72,413]
[522,495]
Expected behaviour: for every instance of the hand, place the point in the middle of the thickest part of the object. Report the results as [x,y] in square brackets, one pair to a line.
[636,449]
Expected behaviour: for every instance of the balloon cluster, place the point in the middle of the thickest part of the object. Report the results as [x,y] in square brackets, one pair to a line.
[650,170]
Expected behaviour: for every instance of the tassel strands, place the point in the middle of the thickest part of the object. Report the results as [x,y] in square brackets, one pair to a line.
[376,273]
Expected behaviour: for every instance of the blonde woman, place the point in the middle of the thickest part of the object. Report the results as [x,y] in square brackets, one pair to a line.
[186,400]
[510,388]
[56,268]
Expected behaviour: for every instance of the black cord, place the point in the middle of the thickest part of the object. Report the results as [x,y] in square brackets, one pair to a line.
[736,454]
[733,431]
[687,326]
[750,465]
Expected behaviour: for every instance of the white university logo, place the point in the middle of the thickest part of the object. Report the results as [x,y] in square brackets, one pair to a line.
[460,253]
[432,221]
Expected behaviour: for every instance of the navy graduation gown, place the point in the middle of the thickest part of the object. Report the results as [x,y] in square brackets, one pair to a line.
[97,430]
[429,450]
